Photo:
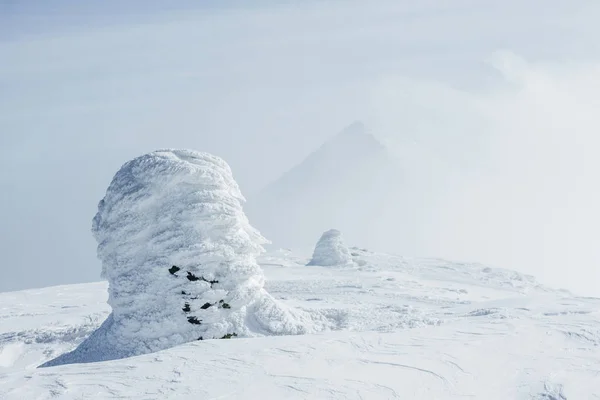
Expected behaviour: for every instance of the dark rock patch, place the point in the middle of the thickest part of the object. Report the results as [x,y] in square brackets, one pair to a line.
[229,336]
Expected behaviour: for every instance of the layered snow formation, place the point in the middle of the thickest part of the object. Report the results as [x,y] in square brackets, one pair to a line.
[331,250]
[180,258]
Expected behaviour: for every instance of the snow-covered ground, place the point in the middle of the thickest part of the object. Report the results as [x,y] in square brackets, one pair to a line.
[405,328]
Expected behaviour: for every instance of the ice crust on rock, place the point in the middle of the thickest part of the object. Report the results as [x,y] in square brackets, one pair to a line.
[180,258]
[331,250]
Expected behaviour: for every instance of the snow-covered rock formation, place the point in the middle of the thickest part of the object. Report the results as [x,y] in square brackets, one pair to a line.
[179,255]
[331,250]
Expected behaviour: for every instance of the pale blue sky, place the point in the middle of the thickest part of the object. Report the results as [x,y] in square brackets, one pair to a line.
[85,86]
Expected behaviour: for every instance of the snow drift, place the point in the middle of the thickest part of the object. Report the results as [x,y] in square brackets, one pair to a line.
[331,250]
[180,258]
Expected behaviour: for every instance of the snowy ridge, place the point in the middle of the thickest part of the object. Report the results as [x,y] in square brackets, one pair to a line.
[180,258]
[185,267]
[409,328]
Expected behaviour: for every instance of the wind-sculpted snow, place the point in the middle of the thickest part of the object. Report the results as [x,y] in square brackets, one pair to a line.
[180,258]
[409,329]
[331,250]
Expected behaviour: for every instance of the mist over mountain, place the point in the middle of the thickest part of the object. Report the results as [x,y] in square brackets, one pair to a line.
[352,183]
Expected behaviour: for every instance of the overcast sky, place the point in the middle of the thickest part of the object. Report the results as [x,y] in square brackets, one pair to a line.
[503,92]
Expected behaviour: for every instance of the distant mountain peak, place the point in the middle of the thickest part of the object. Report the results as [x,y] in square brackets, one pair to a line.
[355,136]
[355,128]
[352,152]
[347,182]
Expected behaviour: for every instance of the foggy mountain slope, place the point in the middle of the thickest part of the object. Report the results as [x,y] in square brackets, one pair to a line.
[352,183]
[347,152]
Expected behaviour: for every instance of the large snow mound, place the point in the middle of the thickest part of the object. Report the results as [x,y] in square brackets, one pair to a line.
[331,250]
[180,258]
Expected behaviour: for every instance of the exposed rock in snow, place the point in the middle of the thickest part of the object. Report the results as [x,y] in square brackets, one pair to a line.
[331,250]
[180,258]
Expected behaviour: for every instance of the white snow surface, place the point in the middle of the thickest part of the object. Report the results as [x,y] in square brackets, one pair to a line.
[331,250]
[180,258]
[406,329]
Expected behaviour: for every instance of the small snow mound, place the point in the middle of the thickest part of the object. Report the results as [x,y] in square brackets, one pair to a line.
[180,258]
[331,250]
